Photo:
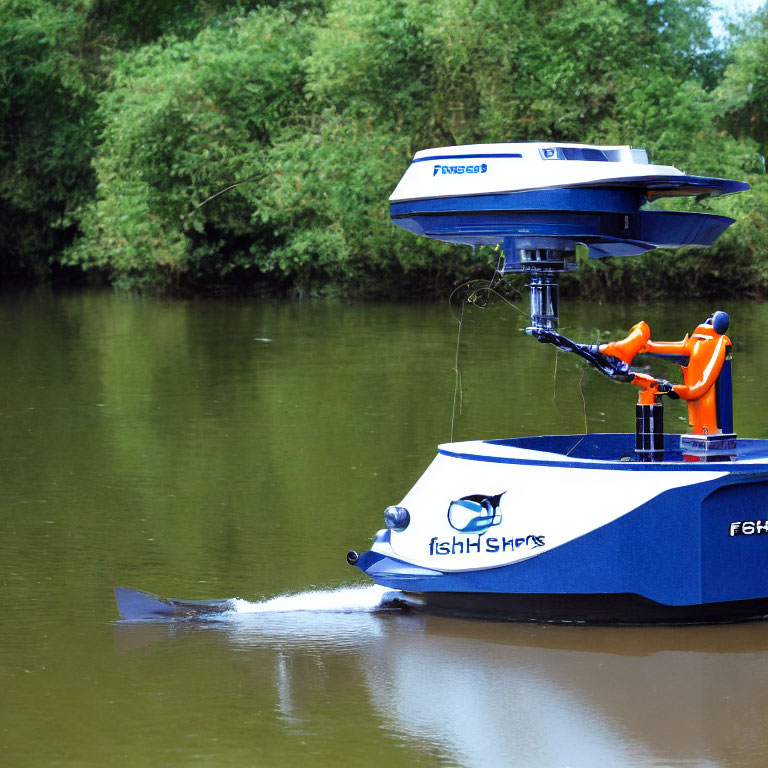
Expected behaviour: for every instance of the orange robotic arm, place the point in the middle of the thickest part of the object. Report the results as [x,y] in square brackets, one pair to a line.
[702,373]
[626,349]
[706,351]
[638,340]
[668,347]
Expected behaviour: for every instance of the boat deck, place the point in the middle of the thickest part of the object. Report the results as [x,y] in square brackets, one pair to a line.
[615,450]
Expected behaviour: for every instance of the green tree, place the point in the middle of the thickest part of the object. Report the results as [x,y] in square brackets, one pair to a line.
[183,120]
[49,77]
[743,93]
[196,144]
[386,81]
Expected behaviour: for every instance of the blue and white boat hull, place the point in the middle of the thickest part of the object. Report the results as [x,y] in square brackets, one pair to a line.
[573,528]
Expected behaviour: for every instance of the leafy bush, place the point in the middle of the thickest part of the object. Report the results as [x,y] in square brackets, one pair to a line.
[48,85]
[210,146]
[182,120]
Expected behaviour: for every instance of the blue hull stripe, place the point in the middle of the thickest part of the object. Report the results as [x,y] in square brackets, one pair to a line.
[516,156]
[624,466]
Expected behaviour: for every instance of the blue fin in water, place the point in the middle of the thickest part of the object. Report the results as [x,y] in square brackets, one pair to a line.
[135,605]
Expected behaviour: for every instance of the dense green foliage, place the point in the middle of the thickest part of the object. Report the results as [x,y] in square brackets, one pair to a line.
[212,145]
[48,87]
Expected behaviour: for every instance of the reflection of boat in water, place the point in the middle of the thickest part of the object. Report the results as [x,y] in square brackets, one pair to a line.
[487,694]
[612,528]
[547,696]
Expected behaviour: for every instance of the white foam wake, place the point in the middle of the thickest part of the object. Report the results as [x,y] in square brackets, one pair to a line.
[343,600]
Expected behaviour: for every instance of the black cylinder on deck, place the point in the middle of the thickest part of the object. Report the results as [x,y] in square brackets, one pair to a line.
[649,432]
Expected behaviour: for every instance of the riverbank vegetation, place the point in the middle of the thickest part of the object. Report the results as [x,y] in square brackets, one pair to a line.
[213,146]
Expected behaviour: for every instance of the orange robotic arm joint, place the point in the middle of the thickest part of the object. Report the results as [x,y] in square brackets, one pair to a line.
[626,349]
[705,372]
[668,347]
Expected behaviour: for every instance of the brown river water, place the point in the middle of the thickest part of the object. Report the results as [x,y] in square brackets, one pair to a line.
[210,449]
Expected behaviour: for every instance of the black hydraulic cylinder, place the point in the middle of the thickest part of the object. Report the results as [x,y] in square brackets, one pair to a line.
[649,432]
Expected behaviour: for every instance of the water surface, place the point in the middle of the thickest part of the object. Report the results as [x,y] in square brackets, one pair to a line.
[210,449]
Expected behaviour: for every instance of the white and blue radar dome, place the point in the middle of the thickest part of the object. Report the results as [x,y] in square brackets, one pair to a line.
[515,194]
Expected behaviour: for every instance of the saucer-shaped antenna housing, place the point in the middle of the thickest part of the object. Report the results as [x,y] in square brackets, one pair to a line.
[538,201]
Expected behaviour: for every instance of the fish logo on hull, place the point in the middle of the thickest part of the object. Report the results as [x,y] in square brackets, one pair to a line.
[474,514]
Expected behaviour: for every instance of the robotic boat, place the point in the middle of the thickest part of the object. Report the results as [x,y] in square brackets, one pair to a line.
[599,528]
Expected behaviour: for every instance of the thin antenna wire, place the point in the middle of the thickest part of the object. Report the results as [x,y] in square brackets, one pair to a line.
[575,445]
[222,191]
[554,379]
[457,391]
[472,290]
[483,286]
[583,401]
